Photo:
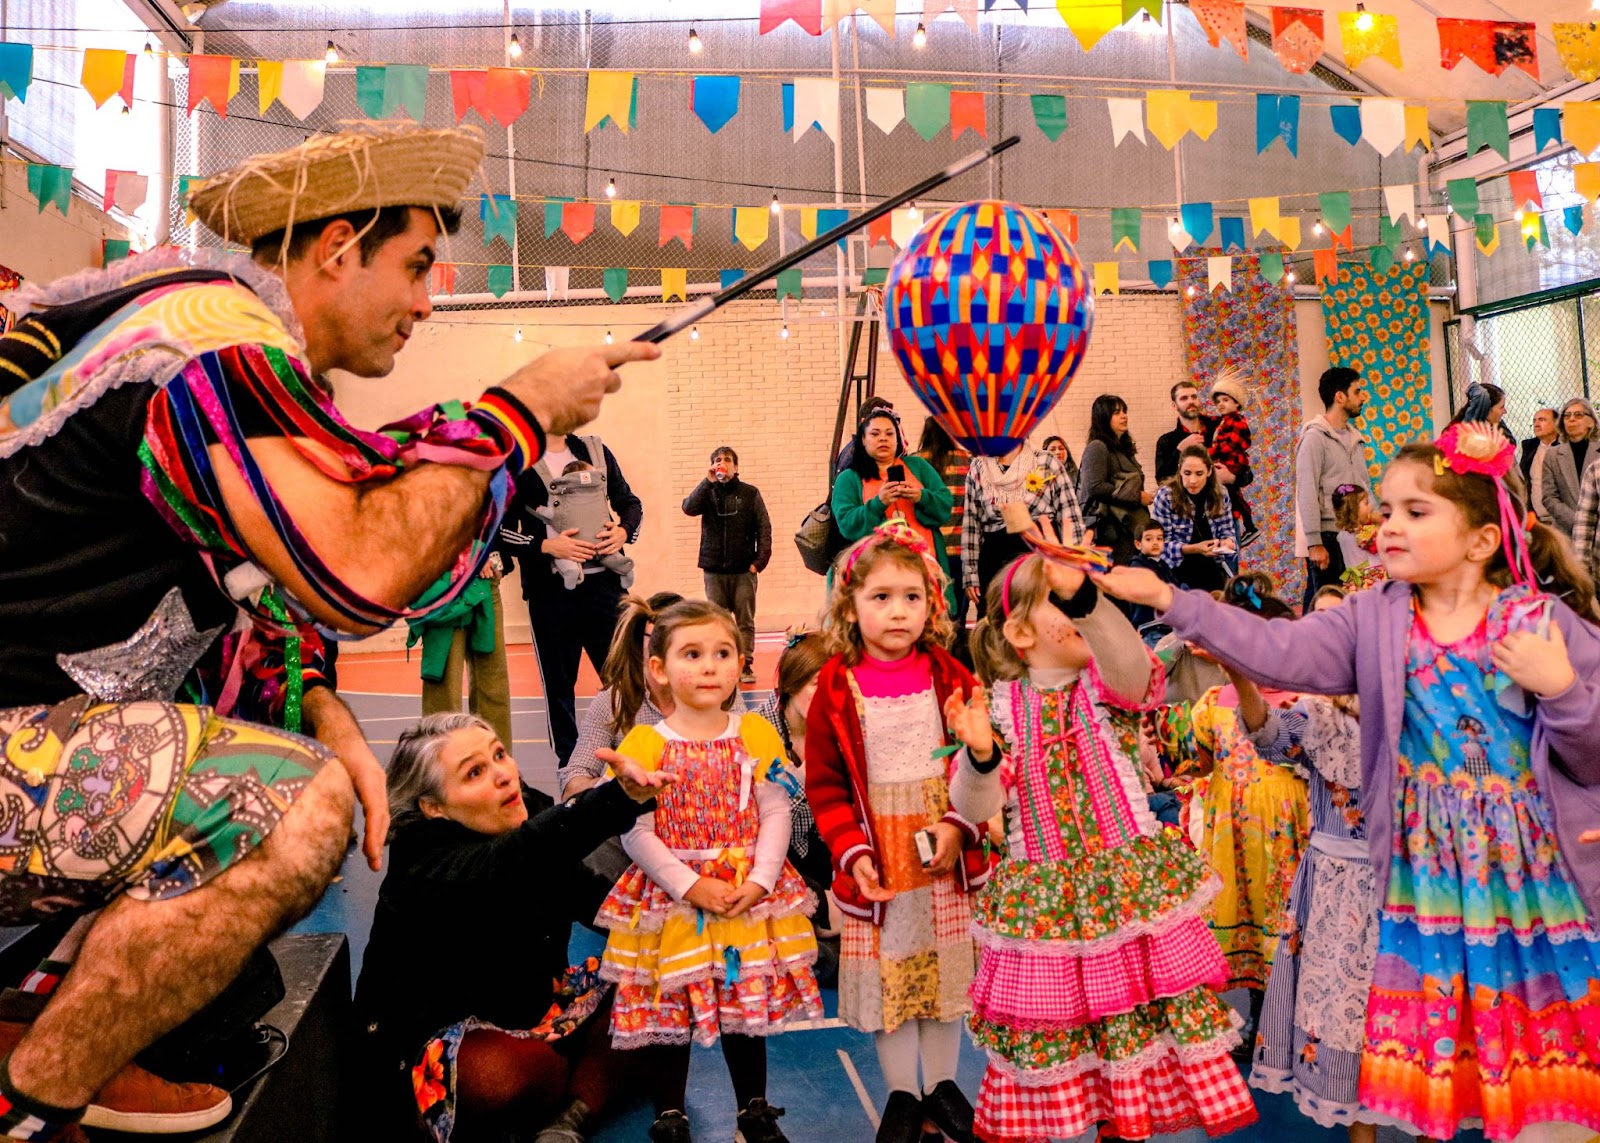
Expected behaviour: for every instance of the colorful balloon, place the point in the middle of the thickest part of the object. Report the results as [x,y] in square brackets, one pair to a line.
[989,314]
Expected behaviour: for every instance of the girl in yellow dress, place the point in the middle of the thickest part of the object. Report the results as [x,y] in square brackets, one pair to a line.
[709,928]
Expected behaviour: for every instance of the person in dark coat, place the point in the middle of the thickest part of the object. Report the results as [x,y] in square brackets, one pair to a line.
[735,545]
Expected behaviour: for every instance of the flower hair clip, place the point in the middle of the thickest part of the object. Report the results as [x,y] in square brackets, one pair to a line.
[1480,449]
[794,636]
[899,532]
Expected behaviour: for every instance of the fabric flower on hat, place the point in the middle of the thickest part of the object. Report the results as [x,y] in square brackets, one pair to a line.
[1476,447]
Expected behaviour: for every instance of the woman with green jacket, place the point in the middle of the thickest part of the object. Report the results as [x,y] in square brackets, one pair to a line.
[884,482]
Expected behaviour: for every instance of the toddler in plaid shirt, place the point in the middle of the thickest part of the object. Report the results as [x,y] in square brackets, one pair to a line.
[1230,446]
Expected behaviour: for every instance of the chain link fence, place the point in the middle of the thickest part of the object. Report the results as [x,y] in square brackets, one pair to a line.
[1542,354]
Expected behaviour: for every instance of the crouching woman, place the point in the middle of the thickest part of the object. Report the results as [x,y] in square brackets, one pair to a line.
[468,1007]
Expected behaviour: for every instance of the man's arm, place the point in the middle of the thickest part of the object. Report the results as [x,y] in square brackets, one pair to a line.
[698,500]
[763,533]
[336,728]
[1166,456]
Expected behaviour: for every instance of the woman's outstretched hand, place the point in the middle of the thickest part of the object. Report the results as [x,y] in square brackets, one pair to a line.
[969,720]
[638,783]
[1136,585]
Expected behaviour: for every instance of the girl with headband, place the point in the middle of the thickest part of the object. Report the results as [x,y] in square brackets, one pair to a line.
[1483,1004]
[876,777]
[1094,998]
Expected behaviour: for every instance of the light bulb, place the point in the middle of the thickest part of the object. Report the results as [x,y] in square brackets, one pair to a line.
[126,110]
[608,337]
[784,332]
[1518,215]
[913,213]
[611,187]
[1317,229]
[514,48]
[1190,291]
[518,335]
[1364,20]
[1290,275]
[1149,26]
[919,39]
[1409,255]
[331,55]
[776,209]
[148,50]
[1422,224]
[694,333]
[694,43]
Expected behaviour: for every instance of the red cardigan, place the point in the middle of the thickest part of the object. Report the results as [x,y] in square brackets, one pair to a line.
[836,783]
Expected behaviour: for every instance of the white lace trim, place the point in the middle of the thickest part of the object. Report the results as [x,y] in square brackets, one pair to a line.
[1322,1112]
[655,920]
[1333,742]
[1192,907]
[1523,937]
[1136,1064]
[725,1026]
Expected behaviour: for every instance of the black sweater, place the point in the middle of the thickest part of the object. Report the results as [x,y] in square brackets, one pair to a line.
[735,532]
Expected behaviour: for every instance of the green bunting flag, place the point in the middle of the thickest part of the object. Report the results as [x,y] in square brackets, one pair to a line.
[928,107]
[1487,127]
[789,283]
[1050,115]
[1463,196]
[616,282]
[50,184]
[1336,210]
[1126,223]
[499,280]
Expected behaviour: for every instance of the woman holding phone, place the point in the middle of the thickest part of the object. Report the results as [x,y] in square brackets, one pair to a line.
[884,482]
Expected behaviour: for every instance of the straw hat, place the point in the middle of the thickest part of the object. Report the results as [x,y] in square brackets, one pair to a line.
[1231,382]
[365,167]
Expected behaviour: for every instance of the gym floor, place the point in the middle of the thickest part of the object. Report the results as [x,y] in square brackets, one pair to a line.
[826,1076]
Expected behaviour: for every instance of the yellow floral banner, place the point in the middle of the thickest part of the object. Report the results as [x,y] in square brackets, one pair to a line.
[1578,45]
[1368,34]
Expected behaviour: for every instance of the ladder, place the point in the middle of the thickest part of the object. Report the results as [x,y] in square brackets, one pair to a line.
[862,378]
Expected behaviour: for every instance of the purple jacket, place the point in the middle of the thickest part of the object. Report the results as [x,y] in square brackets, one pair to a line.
[1360,648]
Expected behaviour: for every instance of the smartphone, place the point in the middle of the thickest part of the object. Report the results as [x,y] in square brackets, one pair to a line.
[897,473]
[926,845]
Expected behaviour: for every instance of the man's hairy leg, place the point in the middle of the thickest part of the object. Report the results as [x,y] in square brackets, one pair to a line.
[146,966]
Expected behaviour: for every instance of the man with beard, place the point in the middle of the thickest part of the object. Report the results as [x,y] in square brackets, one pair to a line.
[1332,452]
[1193,428]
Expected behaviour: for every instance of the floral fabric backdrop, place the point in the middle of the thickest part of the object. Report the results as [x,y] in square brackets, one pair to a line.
[1252,328]
[1378,323]
[9,280]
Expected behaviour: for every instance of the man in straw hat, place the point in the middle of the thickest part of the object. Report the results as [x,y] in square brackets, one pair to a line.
[181,507]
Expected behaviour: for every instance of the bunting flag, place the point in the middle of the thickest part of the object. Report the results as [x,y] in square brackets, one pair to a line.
[1219,272]
[501,278]
[16,71]
[1493,45]
[625,217]
[1127,118]
[1463,194]
[442,278]
[126,191]
[556,279]
[816,104]
[1049,114]
[928,108]
[880,230]
[499,215]
[1346,119]
[1090,20]
[616,282]
[102,73]
[790,283]
[1586,180]
[1546,128]
[1160,272]
[1177,235]
[1325,264]
[552,214]
[1381,258]
[1065,221]
[1417,127]
[1578,45]
[1197,220]
[469,91]
[269,83]
[1126,225]
[1297,38]
[886,107]
[881,11]
[405,85]
[1486,233]
[1389,237]
[612,95]
[751,225]
[1173,114]
[1272,265]
[1264,216]
[48,184]
[677,221]
[807,14]
[1203,117]
[1487,127]
[1223,20]
[1278,117]
[303,82]
[1438,228]
[1401,202]
[1230,230]
[369,91]
[1581,126]
[967,113]
[824,220]
[1525,191]
[507,91]
[577,220]
[1335,210]
[966,9]
[1573,217]
[1533,230]
[1130,8]
[183,185]
[1107,277]
[905,225]
[214,78]
[726,278]
[674,284]
[114,250]
[1289,231]
[1368,34]
[714,99]
[1383,123]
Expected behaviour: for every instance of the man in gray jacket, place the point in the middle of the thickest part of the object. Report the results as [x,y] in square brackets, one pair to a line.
[1332,453]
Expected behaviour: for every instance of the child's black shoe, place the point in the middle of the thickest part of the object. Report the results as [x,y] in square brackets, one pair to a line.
[758,1123]
[950,1111]
[902,1119]
[671,1127]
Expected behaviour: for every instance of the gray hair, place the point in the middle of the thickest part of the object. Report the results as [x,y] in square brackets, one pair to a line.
[414,771]
[1594,422]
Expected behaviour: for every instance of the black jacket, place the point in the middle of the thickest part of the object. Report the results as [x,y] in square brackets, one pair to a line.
[1525,461]
[521,531]
[1167,447]
[734,529]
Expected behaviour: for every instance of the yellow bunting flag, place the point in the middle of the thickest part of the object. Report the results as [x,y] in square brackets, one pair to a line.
[1107,278]
[102,73]
[269,83]
[1167,113]
[1578,45]
[1264,216]
[1289,231]
[674,284]
[610,94]
[1417,127]
[1368,34]
[808,222]
[1090,19]
[751,223]
[1586,180]
[624,217]
[1580,126]
[1203,117]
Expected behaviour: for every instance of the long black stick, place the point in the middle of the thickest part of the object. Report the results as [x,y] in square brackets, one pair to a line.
[690,314]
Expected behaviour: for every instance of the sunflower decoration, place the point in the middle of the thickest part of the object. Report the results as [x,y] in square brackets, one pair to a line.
[1034,483]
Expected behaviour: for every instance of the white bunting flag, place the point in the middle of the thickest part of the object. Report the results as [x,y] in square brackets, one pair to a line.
[1127,118]
[816,100]
[302,86]
[1219,272]
[886,107]
[1383,123]
[555,282]
[1177,235]
[1401,201]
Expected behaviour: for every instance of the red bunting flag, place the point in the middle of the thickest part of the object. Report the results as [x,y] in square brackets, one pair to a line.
[577,220]
[1223,20]
[1493,45]
[126,91]
[1345,238]
[881,230]
[806,13]
[1065,221]
[1297,38]
[1325,264]
[215,78]
[506,94]
[1525,190]
[677,221]
[443,278]
[967,112]
[469,91]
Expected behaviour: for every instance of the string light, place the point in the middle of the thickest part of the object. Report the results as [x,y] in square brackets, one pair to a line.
[1364,20]
[126,110]
[608,337]
[514,48]
[1317,229]
[1148,26]
[1409,255]
[1190,291]
[1422,224]
[913,213]
[776,209]
[611,187]
[518,335]
[1518,215]
[1290,275]
[694,333]
[784,332]
[148,50]
[694,42]
[331,55]
[919,39]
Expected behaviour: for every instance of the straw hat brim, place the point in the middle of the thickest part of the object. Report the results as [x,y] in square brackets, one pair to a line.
[1231,388]
[375,166]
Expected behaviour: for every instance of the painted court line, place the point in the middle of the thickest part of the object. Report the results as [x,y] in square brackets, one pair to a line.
[861,1088]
